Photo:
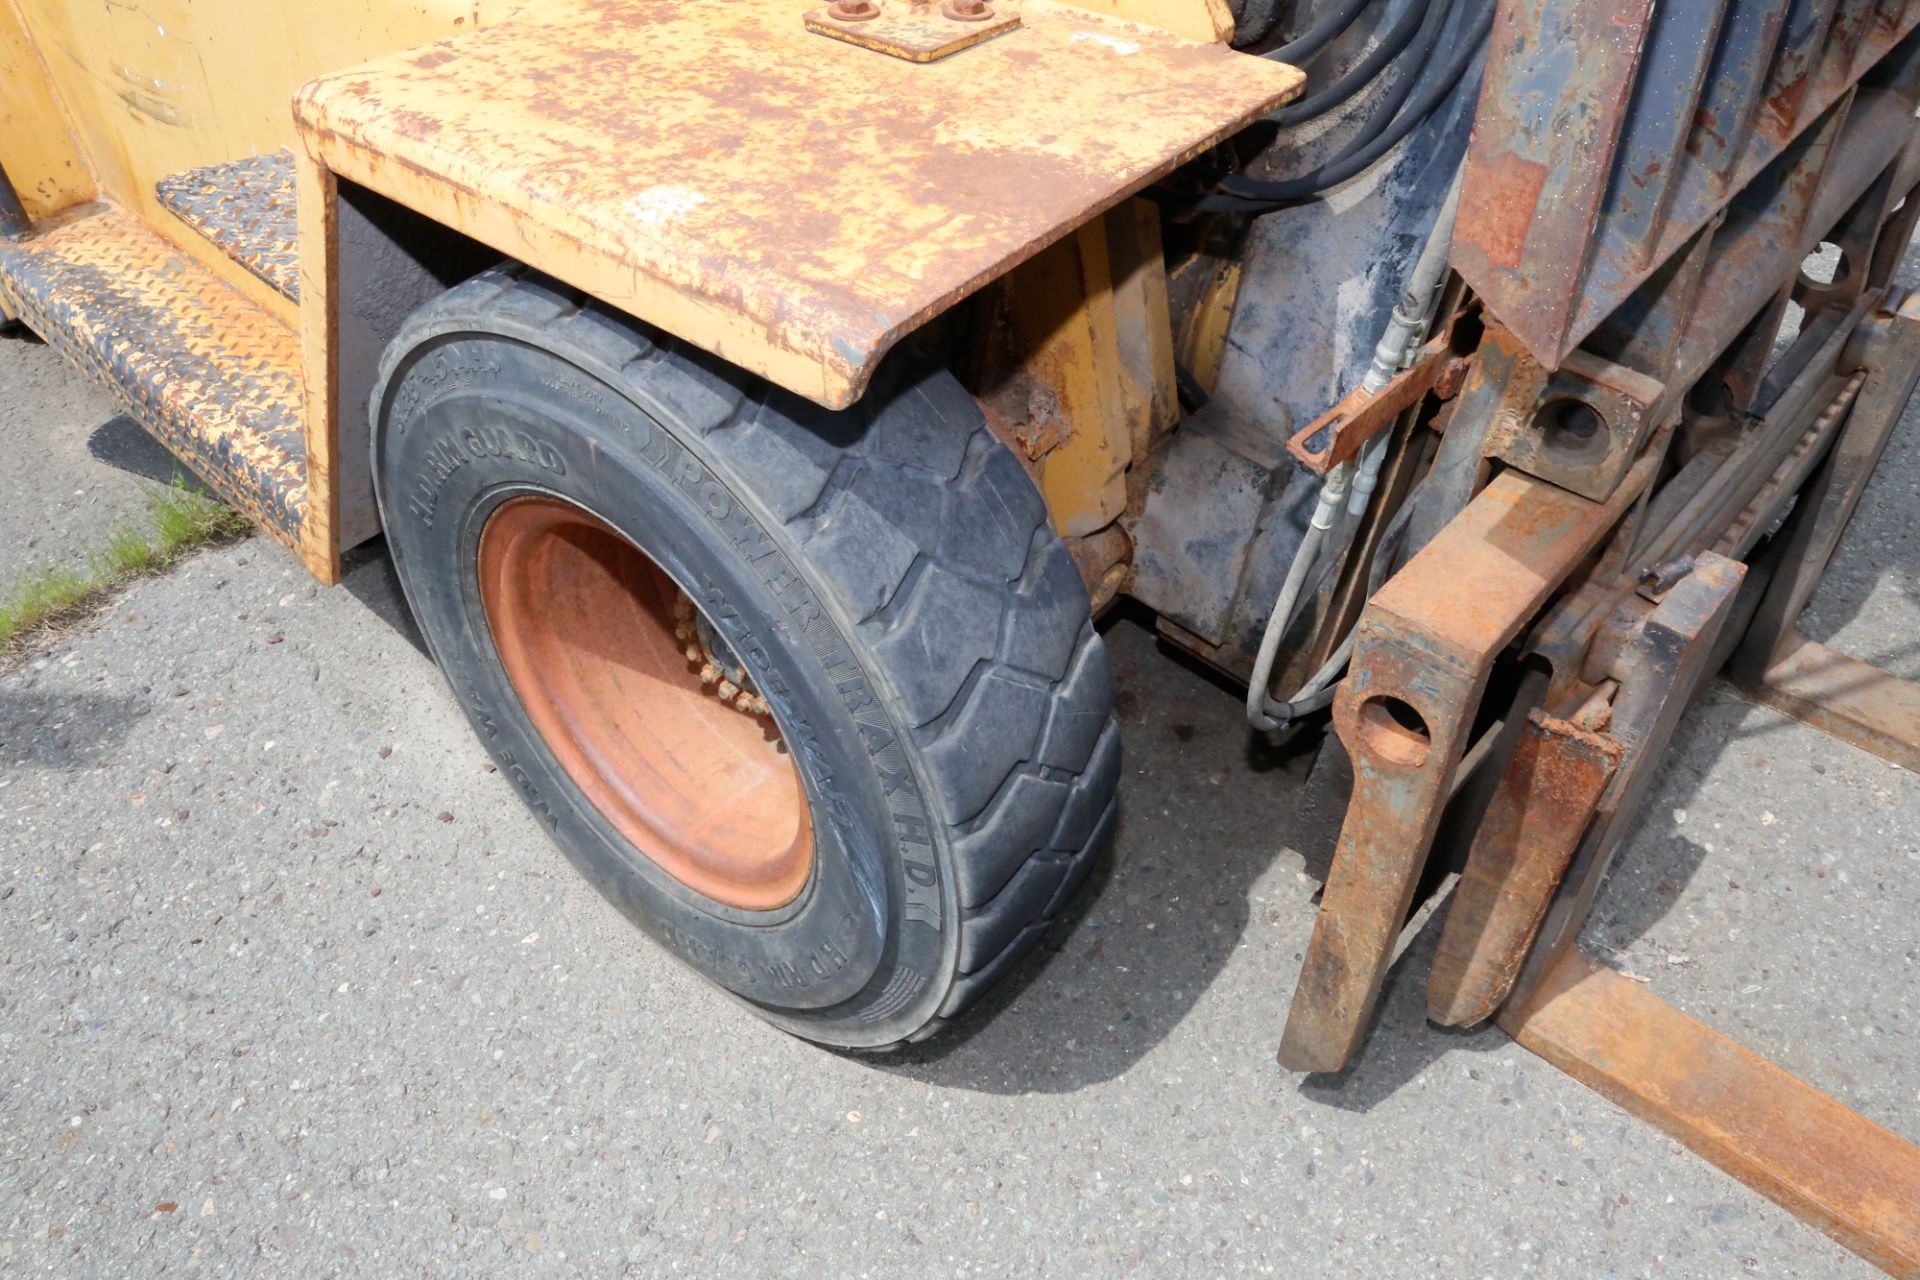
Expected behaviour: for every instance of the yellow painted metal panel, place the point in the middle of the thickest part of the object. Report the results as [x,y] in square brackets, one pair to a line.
[1074,364]
[1144,324]
[36,148]
[1057,392]
[792,203]
[319,329]
[1084,480]
[157,87]
[1201,337]
[1209,21]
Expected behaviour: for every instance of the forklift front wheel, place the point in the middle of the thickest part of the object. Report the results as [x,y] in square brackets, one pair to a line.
[813,697]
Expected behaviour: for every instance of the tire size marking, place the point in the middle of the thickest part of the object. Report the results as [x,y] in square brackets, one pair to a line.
[912,844]
[822,963]
[455,449]
[447,369]
[508,761]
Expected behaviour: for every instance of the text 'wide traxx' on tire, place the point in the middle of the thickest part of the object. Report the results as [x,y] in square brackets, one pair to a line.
[813,697]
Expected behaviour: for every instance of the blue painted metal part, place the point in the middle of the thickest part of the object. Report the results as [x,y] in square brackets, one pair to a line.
[1551,267]
[1319,283]
[1748,35]
[1659,120]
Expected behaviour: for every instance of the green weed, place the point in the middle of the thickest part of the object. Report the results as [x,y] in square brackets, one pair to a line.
[177,520]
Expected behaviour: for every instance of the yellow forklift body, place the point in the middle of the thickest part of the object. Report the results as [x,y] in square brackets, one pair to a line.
[791,203]
[150,89]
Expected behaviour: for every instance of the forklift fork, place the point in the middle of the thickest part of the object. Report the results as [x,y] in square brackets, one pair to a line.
[1574,776]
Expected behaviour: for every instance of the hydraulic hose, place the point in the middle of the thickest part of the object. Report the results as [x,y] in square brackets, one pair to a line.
[1361,73]
[1255,196]
[1319,35]
[1414,311]
[1333,494]
[1353,486]
[1321,689]
[1408,71]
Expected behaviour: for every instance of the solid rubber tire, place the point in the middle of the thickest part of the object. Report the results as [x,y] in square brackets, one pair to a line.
[888,575]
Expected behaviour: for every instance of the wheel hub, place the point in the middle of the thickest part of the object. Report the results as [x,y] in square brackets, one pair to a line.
[724,675]
[645,707]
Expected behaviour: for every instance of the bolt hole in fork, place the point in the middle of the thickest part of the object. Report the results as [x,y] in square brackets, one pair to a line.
[1395,731]
[1572,431]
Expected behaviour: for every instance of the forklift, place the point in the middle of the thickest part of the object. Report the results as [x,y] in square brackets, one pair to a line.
[762,400]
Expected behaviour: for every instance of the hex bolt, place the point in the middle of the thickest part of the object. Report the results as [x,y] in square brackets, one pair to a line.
[1661,578]
[853,10]
[967,10]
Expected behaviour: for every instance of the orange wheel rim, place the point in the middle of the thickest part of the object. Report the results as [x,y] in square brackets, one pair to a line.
[584,623]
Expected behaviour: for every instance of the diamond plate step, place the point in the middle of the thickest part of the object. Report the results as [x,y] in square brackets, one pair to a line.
[212,375]
[245,208]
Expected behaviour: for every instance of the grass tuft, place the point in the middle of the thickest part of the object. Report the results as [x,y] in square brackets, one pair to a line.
[178,519]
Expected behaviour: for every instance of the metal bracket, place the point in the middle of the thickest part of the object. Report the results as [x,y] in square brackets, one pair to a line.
[1426,644]
[1586,427]
[914,30]
[1337,435]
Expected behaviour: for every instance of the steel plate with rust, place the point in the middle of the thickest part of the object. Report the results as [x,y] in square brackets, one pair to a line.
[793,204]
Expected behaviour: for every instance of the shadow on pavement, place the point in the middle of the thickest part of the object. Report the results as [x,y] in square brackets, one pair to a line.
[1208,811]
[368,575]
[65,730]
[123,444]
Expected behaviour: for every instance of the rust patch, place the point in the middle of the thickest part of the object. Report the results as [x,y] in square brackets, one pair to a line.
[1499,205]
[792,204]
[1547,795]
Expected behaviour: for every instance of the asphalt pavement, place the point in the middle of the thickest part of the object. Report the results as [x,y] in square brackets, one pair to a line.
[289,984]
[73,467]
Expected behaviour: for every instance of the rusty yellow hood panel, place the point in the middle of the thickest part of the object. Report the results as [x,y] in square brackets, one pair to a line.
[792,203]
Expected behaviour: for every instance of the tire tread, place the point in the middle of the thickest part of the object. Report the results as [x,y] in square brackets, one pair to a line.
[902,503]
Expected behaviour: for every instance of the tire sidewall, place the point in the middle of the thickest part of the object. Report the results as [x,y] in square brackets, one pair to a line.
[466,421]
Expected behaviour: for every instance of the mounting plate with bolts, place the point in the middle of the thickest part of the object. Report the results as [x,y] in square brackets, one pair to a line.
[916,30]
